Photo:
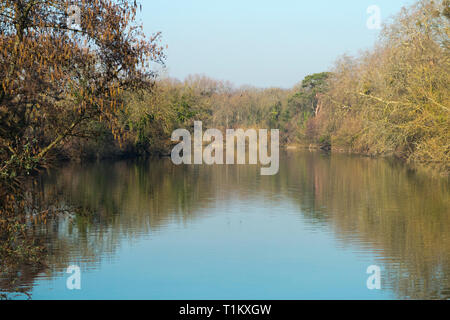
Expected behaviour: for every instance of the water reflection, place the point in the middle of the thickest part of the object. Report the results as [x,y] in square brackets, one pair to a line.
[372,206]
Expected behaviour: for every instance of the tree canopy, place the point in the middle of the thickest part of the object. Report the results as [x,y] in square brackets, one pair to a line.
[56,76]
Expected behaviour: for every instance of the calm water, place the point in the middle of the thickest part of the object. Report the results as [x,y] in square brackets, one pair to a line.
[152,230]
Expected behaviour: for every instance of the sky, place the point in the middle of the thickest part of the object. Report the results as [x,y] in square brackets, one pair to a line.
[261,43]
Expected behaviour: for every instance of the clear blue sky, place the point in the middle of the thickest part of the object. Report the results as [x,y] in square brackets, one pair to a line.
[261,43]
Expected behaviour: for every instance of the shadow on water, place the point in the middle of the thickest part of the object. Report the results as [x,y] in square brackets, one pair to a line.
[379,205]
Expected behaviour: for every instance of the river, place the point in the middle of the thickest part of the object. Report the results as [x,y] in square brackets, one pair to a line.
[153,230]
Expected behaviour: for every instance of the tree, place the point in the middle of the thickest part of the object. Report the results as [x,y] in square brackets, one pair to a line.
[56,76]
[394,99]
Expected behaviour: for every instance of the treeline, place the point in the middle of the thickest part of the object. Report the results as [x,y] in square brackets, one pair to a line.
[391,100]
[151,116]
[62,98]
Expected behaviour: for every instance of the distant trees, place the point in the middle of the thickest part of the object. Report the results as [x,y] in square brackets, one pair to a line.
[174,104]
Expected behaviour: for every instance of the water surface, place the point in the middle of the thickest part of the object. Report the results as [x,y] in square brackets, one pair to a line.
[152,230]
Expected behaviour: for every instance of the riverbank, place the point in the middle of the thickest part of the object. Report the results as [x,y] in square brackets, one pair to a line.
[441,168]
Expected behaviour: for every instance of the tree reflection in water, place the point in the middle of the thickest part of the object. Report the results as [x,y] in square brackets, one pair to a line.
[381,205]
